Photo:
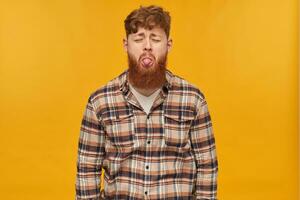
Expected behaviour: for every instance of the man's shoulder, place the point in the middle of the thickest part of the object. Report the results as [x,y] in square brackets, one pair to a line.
[186,87]
[108,89]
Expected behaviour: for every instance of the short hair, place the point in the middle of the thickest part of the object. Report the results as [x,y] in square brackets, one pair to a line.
[148,17]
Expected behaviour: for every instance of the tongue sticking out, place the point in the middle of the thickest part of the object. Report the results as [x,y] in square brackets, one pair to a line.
[147,62]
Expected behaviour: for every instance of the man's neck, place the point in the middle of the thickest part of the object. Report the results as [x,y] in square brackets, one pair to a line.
[145,92]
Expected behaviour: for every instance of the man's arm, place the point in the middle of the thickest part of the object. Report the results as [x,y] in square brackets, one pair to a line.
[204,149]
[90,155]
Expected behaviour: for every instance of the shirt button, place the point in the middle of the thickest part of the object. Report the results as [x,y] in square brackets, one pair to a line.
[148,142]
[147,167]
[146,192]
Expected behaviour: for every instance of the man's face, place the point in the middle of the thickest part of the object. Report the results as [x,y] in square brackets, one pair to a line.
[147,54]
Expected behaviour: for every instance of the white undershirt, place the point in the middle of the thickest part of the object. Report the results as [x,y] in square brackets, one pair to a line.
[145,101]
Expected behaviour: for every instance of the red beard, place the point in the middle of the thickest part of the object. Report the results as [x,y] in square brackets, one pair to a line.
[147,78]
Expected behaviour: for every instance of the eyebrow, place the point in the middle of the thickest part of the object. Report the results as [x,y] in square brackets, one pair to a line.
[153,34]
[140,34]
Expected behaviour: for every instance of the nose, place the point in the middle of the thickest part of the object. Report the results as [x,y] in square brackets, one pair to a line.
[148,45]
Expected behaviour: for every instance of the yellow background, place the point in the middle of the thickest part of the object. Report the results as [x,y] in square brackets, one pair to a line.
[241,53]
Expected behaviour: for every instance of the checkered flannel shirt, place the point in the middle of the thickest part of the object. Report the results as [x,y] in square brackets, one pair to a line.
[168,154]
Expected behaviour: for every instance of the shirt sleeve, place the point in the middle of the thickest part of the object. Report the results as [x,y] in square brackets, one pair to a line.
[204,149]
[90,155]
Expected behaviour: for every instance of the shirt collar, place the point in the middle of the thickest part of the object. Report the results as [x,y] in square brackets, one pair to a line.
[124,86]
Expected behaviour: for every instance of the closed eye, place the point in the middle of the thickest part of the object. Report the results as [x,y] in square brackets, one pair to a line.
[155,40]
[138,40]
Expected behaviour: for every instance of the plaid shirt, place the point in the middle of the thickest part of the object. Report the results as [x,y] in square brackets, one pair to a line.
[168,154]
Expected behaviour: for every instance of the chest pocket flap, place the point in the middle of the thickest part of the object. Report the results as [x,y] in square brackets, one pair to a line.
[119,126]
[177,124]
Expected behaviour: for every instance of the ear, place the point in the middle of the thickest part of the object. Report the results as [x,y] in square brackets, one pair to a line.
[169,44]
[125,44]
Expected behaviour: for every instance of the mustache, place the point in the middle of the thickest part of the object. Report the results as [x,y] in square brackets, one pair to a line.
[149,55]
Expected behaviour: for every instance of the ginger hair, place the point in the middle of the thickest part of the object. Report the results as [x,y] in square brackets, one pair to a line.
[147,17]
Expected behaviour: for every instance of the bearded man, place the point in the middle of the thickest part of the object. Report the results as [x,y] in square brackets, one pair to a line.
[149,129]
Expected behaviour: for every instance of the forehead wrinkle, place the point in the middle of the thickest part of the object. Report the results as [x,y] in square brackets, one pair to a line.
[151,34]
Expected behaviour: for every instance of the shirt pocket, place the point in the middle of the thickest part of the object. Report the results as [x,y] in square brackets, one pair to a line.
[176,127]
[120,129]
